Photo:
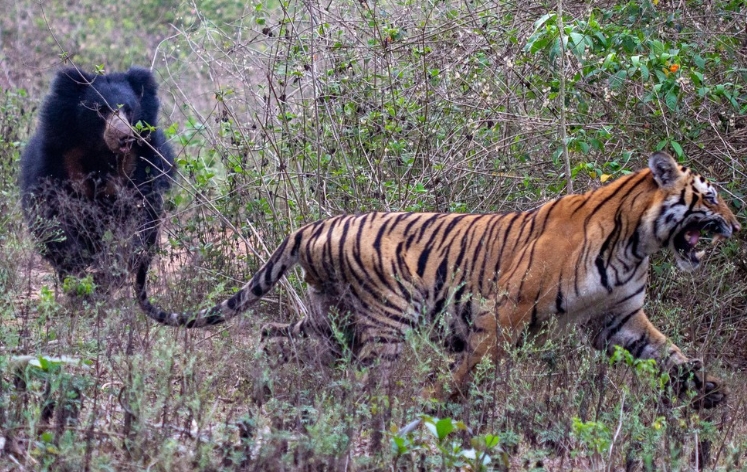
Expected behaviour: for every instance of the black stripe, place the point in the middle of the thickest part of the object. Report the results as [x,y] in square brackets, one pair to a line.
[328,258]
[559,301]
[441,274]
[425,225]
[414,219]
[268,272]
[438,307]
[296,244]
[636,347]
[633,242]
[613,194]
[613,330]
[642,288]
[505,238]
[423,261]
[487,239]
[533,323]
[426,253]
[519,258]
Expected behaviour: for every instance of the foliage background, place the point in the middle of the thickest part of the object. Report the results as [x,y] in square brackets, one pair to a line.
[285,112]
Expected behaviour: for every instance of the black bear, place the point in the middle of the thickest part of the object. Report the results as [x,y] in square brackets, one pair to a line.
[96,170]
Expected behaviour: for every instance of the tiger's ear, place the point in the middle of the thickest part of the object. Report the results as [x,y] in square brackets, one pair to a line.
[665,169]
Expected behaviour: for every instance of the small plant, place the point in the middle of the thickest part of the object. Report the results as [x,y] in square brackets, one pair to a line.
[595,436]
[55,392]
[451,455]
[79,287]
[645,369]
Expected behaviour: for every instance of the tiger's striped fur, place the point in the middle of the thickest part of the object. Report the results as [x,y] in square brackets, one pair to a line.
[486,278]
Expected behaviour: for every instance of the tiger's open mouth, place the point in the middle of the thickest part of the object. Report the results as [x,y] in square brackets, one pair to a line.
[686,241]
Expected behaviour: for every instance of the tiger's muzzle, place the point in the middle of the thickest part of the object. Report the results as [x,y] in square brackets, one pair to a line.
[685,241]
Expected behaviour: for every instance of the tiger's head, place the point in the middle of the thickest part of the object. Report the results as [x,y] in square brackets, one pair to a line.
[688,207]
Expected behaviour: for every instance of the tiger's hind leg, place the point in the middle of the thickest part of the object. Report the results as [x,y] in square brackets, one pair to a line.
[485,338]
[378,349]
[279,339]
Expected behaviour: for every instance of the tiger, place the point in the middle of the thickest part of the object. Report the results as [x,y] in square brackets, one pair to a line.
[487,280]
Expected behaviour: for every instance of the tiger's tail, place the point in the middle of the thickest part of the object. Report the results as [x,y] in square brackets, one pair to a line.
[284,257]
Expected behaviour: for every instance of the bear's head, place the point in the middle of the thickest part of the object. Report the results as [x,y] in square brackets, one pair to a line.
[111,111]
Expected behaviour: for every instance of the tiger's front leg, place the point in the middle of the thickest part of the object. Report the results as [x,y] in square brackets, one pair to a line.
[635,333]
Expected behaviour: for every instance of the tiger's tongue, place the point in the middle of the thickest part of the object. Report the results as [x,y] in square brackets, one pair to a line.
[692,237]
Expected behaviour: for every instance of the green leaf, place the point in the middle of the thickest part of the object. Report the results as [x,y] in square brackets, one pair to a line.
[491,440]
[556,48]
[657,47]
[578,43]
[44,364]
[671,100]
[697,78]
[443,428]
[699,62]
[609,60]
[596,144]
[543,19]
[677,149]
[399,445]
[617,80]
[602,38]
[538,44]
[629,43]
[644,72]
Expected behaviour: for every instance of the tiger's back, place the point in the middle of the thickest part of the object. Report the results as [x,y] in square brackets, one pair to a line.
[484,279]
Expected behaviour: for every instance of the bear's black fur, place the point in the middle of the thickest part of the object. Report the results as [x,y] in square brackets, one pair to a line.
[95,169]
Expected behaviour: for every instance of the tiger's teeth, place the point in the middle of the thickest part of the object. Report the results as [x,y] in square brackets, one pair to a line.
[700,254]
[717,238]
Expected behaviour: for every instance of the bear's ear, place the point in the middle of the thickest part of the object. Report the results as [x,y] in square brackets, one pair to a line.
[71,81]
[665,169]
[142,82]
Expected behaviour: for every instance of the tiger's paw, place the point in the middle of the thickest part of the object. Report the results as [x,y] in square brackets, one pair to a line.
[276,330]
[276,343]
[714,392]
[285,343]
[709,391]
[278,350]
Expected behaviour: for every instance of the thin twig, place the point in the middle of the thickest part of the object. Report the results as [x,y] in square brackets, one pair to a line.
[561,100]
